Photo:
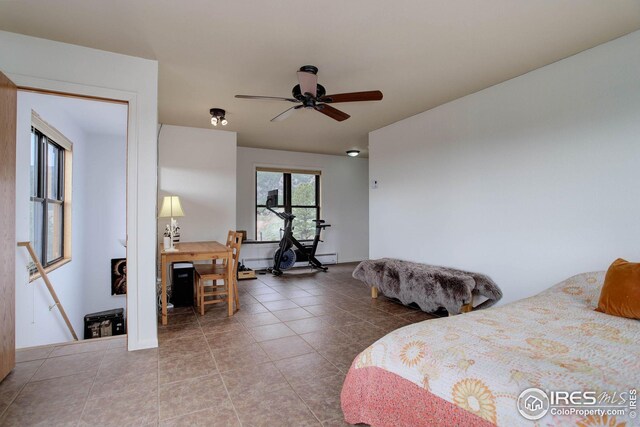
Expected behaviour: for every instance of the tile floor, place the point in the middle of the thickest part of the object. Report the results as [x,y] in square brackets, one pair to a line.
[279,361]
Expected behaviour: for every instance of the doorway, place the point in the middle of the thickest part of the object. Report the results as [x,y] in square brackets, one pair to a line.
[71,183]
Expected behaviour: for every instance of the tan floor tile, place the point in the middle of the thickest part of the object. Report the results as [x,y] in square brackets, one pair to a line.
[272,296]
[310,324]
[221,325]
[17,378]
[186,367]
[325,338]
[123,409]
[138,380]
[252,309]
[336,422]
[120,342]
[305,367]
[183,330]
[279,408]
[191,395]
[283,348]
[177,319]
[37,353]
[292,314]
[259,319]
[222,416]
[119,362]
[80,347]
[183,347]
[69,365]
[56,401]
[342,356]
[270,332]
[232,339]
[322,395]
[263,378]
[239,358]
[312,300]
[280,305]
[321,309]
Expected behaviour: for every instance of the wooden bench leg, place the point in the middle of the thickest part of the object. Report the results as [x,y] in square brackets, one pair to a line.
[374,292]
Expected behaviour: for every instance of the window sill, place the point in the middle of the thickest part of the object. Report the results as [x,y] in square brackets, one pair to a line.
[266,242]
[50,268]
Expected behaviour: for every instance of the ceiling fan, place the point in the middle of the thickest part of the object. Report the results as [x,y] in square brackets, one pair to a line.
[311,95]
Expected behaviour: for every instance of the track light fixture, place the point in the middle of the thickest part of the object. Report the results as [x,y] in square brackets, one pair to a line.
[353,153]
[217,116]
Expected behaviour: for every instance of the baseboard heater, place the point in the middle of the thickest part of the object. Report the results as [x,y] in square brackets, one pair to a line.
[263,263]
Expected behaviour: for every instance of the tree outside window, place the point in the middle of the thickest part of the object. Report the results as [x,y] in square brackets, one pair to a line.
[299,194]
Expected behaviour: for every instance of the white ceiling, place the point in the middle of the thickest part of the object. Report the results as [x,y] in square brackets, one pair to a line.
[420,53]
[92,117]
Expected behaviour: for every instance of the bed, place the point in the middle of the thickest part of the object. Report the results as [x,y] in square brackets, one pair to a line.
[469,370]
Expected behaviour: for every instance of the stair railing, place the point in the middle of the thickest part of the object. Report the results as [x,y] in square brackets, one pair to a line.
[52,291]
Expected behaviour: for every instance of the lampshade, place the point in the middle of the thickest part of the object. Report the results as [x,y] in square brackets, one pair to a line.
[171,207]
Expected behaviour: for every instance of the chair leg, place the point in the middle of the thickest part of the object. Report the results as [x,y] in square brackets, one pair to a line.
[235,289]
[195,292]
[201,295]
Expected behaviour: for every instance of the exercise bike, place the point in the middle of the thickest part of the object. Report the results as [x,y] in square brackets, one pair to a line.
[286,256]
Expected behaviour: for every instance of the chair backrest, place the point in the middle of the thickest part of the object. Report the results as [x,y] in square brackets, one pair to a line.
[235,245]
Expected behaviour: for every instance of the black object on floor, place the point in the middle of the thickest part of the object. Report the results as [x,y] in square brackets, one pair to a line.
[182,274]
[104,324]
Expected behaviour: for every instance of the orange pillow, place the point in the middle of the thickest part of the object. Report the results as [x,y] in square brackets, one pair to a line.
[620,295]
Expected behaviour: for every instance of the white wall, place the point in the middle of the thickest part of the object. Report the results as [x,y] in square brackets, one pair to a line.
[199,166]
[100,187]
[84,71]
[530,181]
[344,199]
[97,221]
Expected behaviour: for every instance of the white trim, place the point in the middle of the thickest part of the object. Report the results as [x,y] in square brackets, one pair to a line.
[134,297]
[50,131]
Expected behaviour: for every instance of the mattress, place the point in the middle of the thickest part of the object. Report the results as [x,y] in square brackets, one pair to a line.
[470,369]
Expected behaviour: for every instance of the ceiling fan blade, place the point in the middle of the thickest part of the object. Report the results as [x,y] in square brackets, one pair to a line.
[267,98]
[286,113]
[334,113]
[372,95]
[308,82]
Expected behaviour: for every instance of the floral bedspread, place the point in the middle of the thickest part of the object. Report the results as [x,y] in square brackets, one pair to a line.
[483,360]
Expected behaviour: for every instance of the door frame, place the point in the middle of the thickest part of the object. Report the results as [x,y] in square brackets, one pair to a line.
[60,88]
[8,122]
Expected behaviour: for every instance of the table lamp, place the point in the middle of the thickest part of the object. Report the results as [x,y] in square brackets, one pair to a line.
[171,207]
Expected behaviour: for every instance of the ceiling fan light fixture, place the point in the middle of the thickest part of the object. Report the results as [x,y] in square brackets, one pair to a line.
[353,153]
[217,116]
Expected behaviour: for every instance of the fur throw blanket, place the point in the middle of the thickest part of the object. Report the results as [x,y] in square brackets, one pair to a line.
[429,286]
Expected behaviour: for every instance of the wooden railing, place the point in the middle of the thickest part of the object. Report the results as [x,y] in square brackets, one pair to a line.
[52,291]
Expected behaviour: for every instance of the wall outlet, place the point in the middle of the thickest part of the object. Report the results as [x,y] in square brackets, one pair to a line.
[374,184]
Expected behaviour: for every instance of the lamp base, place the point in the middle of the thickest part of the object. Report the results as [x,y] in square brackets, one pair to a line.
[172,249]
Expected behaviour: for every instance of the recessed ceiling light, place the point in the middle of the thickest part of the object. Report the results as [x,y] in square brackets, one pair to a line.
[353,153]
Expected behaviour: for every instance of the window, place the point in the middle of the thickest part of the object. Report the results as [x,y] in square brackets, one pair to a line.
[50,169]
[298,193]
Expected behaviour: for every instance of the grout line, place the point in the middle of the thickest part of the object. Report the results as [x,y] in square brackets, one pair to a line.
[215,362]
[86,399]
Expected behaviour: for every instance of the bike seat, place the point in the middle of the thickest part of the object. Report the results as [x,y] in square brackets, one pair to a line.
[318,221]
[323,225]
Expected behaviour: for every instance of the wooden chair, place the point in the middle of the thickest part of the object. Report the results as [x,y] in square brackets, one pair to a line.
[207,294]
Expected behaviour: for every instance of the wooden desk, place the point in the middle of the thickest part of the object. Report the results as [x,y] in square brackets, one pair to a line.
[195,251]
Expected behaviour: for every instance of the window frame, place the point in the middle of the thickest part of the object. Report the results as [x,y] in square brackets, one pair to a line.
[47,135]
[286,197]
